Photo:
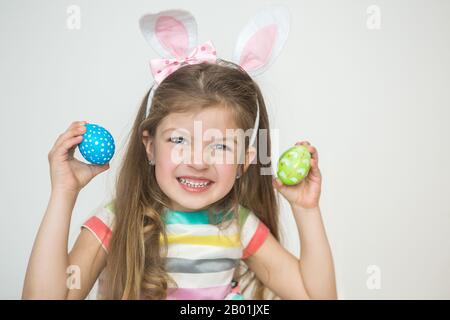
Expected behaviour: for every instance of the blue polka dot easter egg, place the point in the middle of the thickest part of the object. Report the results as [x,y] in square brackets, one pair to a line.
[98,145]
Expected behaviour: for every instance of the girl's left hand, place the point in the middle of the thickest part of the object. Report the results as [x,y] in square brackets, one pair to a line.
[306,194]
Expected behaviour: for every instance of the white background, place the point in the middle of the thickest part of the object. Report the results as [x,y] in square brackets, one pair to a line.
[374,102]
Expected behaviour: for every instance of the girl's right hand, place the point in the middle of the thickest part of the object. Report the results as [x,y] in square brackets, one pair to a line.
[66,172]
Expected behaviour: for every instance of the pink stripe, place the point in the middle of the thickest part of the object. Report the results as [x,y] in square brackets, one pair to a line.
[100,229]
[236,289]
[212,293]
[258,239]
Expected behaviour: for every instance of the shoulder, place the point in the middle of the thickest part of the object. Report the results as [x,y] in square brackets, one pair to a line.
[253,231]
[101,223]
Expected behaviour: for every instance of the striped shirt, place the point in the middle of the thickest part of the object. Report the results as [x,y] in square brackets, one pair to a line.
[201,257]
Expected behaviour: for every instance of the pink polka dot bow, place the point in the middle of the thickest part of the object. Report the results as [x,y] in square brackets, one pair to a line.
[161,68]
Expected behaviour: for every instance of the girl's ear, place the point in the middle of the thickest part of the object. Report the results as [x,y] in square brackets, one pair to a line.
[262,39]
[147,140]
[171,33]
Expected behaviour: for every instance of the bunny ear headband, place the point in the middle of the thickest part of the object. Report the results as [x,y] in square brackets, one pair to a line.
[173,35]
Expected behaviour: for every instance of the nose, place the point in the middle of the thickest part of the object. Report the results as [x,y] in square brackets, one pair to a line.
[197,160]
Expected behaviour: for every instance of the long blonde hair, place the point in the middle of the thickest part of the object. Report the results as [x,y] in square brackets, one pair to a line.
[135,263]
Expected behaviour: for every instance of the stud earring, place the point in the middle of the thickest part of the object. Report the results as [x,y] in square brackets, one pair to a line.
[151,162]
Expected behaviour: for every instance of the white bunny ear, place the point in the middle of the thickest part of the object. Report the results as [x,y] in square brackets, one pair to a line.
[262,39]
[171,33]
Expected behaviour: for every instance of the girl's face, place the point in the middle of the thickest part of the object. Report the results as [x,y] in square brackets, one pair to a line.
[196,157]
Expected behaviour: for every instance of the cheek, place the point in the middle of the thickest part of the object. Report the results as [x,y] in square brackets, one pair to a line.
[167,154]
[165,167]
[162,172]
[172,155]
[223,157]
[226,173]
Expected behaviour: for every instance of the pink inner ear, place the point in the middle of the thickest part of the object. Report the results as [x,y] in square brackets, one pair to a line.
[257,50]
[172,34]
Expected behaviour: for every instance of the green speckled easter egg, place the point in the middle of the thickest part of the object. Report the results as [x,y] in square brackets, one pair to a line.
[294,165]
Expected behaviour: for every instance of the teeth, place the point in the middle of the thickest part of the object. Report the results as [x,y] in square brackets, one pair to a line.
[192,184]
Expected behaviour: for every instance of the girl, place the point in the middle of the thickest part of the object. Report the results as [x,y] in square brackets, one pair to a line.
[134,263]
[164,204]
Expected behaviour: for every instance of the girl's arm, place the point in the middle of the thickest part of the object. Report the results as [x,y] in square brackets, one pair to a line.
[278,269]
[316,261]
[47,274]
[313,275]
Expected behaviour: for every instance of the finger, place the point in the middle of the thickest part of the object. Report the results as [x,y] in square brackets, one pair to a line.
[66,134]
[306,143]
[313,164]
[277,183]
[274,182]
[71,151]
[314,171]
[68,144]
[75,129]
[314,153]
[96,169]
[311,149]
[280,186]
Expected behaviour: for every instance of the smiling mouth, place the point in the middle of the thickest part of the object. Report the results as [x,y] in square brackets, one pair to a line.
[195,184]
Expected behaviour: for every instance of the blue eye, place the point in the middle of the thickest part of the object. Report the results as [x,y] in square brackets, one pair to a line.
[176,140]
[223,146]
